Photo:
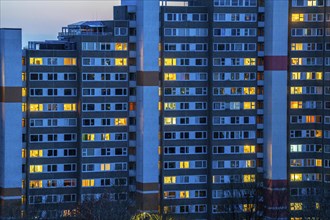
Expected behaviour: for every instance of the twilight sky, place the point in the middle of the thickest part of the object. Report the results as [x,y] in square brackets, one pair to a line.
[43,19]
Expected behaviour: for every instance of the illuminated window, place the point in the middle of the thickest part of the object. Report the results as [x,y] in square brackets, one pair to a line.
[132,106]
[36,107]
[248,207]
[318,75]
[296,46]
[249,90]
[87,182]
[105,137]
[23,153]
[311,3]
[23,107]
[318,162]
[297,17]
[296,61]
[35,168]
[318,133]
[121,46]
[23,92]
[295,75]
[105,166]
[249,105]
[249,178]
[35,61]
[249,61]
[120,121]
[169,179]
[23,122]
[121,62]
[295,177]
[170,62]
[69,107]
[35,153]
[296,104]
[184,164]
[294,206]
[159,106]
[249,149]
[88,137]
[23,76]
[169,121]
[170,76]
[296,90]
[70,61]
[184,194]
[317,205]
[169,105]
[35,184]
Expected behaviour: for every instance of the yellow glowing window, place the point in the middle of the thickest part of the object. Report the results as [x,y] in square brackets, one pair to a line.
[105,166]
[88,137]
[184,164]
[318,162]
[169,121]
[248,207]
[23,122]
[294,206]
[318,75]
[159,150]
[23,76]
[249,149]
[249,163]
[296,46]
[318,133]
[35,168]
[159,106]
[87,182]
[23,107]
[169,179]
[35,61]
[311,2]
[36,107]
[23,92]
[296,61]
[170,76]
[159,47]
[296,90]
[249,90]
[296,104]
[35,184]
[249,178]
[70,61]
[249,61]
[297,17]
[120,121]
[121,62]
[170,62]
[70,107]
[295,177]
[121,46]
[184,194]
[35,153]
[169,105]
[317,205]
[23,153]
[249,105]
[105,137]
[295,75]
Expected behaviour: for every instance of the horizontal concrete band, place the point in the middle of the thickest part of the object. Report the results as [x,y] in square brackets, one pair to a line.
[147,186]
[10,192]
[147,78]
[10,94]
[147,202]
[275,63]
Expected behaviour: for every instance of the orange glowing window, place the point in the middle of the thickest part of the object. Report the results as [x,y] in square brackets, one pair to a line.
[132,106]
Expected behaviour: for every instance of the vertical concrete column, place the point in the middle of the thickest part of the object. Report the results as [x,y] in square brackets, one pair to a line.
[10,120]
[147,176]
[275,108]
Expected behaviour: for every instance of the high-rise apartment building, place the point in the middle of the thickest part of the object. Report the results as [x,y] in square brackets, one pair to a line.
[195,109]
